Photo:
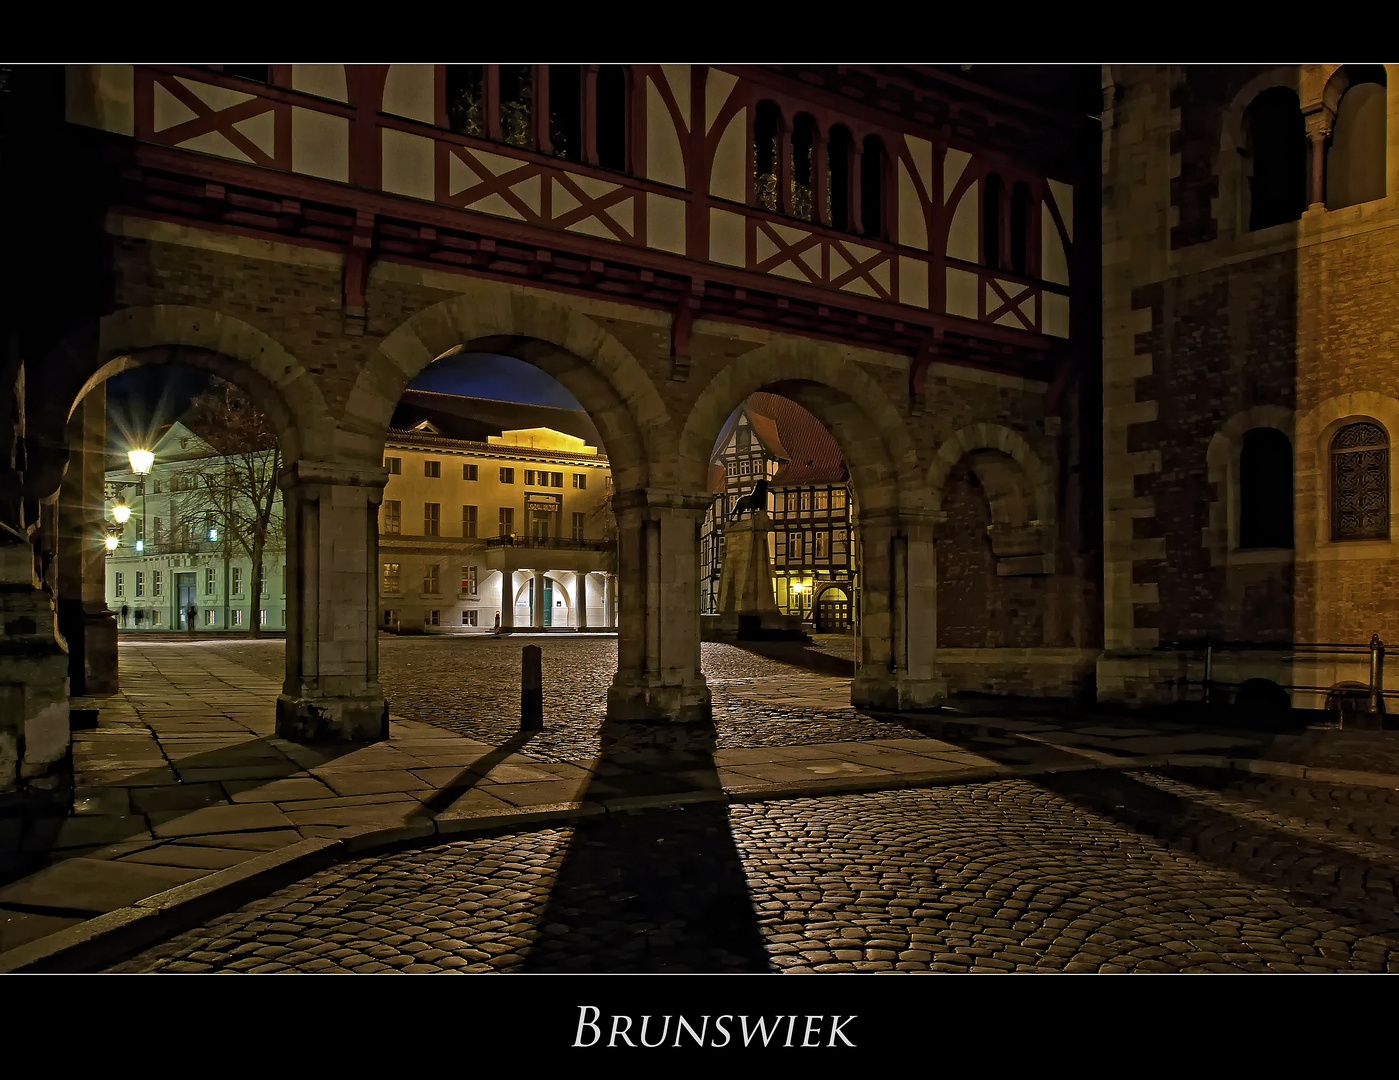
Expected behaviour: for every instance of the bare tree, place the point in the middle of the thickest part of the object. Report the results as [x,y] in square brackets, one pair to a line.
[235,492]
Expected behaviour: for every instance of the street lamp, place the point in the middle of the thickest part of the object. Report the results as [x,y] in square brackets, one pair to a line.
[141,462]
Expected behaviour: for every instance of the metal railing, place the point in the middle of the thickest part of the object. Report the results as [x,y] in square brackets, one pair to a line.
[555,542]
[1209,648]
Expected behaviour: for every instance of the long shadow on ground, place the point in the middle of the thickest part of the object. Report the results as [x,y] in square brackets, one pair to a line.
[651,891]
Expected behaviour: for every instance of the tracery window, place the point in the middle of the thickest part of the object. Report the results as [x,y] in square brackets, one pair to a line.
[803,183]
[1360,483]
[466,99]
[767,122]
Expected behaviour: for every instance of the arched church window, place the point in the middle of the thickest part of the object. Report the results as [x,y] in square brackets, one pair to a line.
[466,99]
[803,184]
[874,171]
[993,194]
[610,112]
[1360,482]
[767,124]
[566,111]
[839,155]
[1265,490]
[1020,229]
[517,104]
[1355,158]
[1275,158]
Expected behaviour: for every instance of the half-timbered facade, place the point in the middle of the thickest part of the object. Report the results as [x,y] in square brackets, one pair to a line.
[905,252]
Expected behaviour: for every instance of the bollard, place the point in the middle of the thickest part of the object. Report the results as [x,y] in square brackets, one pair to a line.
[1376,668]
[531,689]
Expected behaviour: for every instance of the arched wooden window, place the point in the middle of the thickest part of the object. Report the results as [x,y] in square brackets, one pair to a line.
[873,173]
[610,112]
[1265,490]
[517,104]
[1275,158]
[1355,158]
[992,195]
[839,156]
[566,111]
[466,99]
[1360,482]
[767,123]
[803,184]
[1020,229]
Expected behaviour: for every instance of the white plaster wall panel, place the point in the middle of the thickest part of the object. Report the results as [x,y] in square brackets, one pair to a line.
[1056,314]
[320,145]
[664,161]
[101,96]
[913,281]
[962,238]
[921,151]
[961,293]
[408,164]
[726,238]
[409,90]
[763,247]
[718,85]
[791,270]
[728,177]
[167,110]
[954,163]
[913,226]
[1064,200]
[838,263]
[216,97]
[213,142]
[1054,265]
[678,76]
[323,80]
[665,223]
[624,214]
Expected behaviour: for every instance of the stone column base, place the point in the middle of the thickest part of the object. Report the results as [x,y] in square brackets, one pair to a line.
[891,694]
[35,765]
[100,652]
[332,720]
[682,704]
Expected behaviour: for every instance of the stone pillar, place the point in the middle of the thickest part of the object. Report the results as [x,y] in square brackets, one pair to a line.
[88,627]
[34,735]
[507,599]
[897,663]
[538,620]
[1318,130]
[332,691]
[659,702]
[580,599]
[609,596]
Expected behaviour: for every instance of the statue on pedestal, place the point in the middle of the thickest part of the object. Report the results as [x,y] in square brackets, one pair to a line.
[747,610]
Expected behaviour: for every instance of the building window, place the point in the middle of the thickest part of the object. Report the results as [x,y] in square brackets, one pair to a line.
[580,480]
[431,519]
[1020,205]
[431,582]
[466,99]
[208,581]
[237,616]
[507,476]
[992,195]
[823,498]
[767,127]
[1360,483]
[468,472]
[1275,158]
[394,465]
[390,616]
[156,583]
[802,186]
[119,585]
[155,617]
[806,499]
[208,617]
[516,83]
[432,468]
[529,477]
[873,173]
[140,583]
[262,617]
[468,522]
[432,618]
[578,526]
[156,530]
[840,156]
[823,550]
[468,580]
[238,581]
[838,499]
[1355,159]
[393,516]
[555,479]
[507,520]
[1265,490]
[391,577]
[610,117]
[468,618]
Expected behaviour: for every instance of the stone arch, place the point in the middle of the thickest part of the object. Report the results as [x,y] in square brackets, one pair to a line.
[1312,449]
[1019,488]
[872,435]
[1222,468]
[597,369]
[1230,205]
[244,355]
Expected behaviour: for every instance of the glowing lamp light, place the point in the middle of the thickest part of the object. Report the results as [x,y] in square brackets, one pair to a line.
[121,512]
[112,541]
[797,586]
[213,534]
[140,545]
[141,461]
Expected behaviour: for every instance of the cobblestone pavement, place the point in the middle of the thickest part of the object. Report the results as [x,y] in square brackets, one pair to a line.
[470,685]
[1005,876]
